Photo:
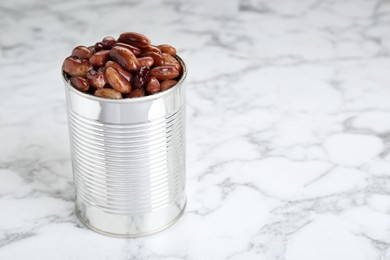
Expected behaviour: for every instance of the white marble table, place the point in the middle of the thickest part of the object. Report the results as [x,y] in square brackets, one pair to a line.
[288,140]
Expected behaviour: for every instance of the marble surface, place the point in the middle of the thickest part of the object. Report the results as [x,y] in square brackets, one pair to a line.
[288,135]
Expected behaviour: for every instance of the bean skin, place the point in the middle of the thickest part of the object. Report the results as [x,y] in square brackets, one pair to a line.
[100,58]
[137,52]
[137,92]
[108,42]
[135,39]
[127,75]
[80,83]
[76,67]
[141,77]
[116,81]
[151,48]
[166,48]
[146,61]
[170,60]
[125,58]
[164,72]
[108,93]
[153,86]
[96,79]
[166,84]
[157,57]
[82,52]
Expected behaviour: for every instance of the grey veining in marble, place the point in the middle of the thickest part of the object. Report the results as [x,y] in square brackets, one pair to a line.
[288,140]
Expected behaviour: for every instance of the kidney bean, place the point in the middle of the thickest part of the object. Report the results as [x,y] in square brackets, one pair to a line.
[146,61]
[137,52]
[157,57]
[135,39]
[100,58]
[108,42]
[153,86]
[116,81]
[96,78]
[108,93]
[151,48]
[76,67]
[124,57]
[166,84]
[164,72]
[165,48]
[82,52]
[99,46]
[127,75]
[141,77]
[137,92]
[170,60]
[79,83]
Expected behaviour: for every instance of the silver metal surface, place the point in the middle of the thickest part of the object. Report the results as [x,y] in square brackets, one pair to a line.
[128,160]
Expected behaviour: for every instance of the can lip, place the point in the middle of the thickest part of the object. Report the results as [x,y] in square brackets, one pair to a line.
[128,100]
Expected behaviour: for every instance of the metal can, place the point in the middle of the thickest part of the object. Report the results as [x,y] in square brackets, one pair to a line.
[128,160]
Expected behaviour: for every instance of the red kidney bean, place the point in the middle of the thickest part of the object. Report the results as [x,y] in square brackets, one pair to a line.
[76,67]
[96,78]
[153,86]
[164,72]
[135,39]
[137,92]
[157,57]
[91,49]
[116,81]
[82,52]
[124,57]
[165,48]
[166,84]
[127,75]
[100,58]
[170,60]
[108,42]
[137,52]
[141,77]
[79,83]
[108,93]
[146,61]
[151,48]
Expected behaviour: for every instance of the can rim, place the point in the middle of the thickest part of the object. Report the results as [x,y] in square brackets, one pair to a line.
[128,100]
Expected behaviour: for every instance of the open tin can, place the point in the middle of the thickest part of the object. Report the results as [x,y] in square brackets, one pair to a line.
[128,160]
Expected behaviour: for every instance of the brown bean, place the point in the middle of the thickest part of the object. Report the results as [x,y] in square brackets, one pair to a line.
[146,61]
[165,48]
[137,52]
[141,76]
[137,92]
[151,48]
[157,57]
[135,39]
[108,42]
[166,84]
[108,93]
[116,81]
[82,52]
[170,60]
[127,75]
[124,57]
[76,67]
[96,78]
[153,86]
[79,83]
[164,72]
[100,58]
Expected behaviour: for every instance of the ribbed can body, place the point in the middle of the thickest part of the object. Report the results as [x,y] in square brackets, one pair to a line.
[128,159]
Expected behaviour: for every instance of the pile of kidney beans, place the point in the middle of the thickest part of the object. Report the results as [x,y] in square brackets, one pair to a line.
[124,68]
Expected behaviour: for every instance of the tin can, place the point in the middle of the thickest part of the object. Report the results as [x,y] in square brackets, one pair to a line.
[128,160]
